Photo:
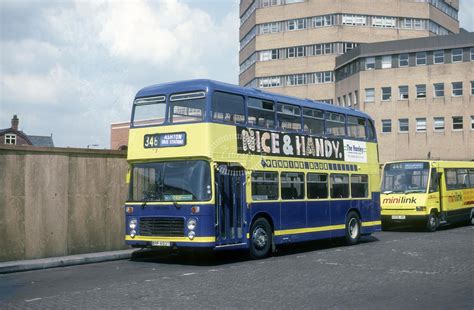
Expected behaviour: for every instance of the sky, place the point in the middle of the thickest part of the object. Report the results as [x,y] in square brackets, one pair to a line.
[72,68]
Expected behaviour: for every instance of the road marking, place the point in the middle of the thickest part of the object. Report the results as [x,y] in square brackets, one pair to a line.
[188,274]
[213,270]
[34,299]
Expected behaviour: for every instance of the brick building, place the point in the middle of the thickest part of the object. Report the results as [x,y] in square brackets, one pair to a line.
[14,136]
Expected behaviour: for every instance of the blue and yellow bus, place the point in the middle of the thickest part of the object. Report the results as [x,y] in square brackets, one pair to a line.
[213,165]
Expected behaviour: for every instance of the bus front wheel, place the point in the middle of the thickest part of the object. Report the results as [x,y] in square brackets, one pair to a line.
[353,228]
[260,239]
[432,222]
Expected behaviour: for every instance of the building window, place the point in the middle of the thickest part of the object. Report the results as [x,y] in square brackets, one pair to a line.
[438,57]
[265,55]
[349,100]
[421,124]
[270,82]
[420,91]
[386,125]
[355,20]
[369,95]
[386,62]
[291,52]
[10,139]
[296,79]
[297,24]
[472,53]
[300,51]
[421,59]
[403,91]
[356,97]
[472,122]
[438,124]
[370,63]
[457,89]
[456,55]
[457,122]
[403,125]
[386,93]
[438,89]
[403,60]
[472,88]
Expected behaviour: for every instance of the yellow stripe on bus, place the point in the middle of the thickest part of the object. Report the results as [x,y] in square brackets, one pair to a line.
[308,230]
[171,239]
[320,228]
[374,223]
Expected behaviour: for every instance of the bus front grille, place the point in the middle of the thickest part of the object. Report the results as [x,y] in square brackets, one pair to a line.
[162,226]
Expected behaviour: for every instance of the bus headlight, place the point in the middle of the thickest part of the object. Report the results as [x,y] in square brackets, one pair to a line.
[132,224]
[133,233]
[420,208]
[192,224]
[191,235]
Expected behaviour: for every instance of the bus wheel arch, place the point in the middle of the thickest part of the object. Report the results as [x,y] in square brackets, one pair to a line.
[261,234]
[353,227]
[432,221]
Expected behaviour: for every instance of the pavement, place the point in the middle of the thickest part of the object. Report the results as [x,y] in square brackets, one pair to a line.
[398,269]
[62,261]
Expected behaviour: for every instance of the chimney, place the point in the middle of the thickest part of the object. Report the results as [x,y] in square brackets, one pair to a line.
[15,122]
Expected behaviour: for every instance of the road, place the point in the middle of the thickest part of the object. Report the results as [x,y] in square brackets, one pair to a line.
[389,270]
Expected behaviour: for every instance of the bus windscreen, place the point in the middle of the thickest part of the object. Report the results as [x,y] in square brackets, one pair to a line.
[171,181]
[405,177]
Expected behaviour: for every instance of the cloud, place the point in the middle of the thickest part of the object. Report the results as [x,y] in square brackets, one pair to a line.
[466,14]
[72,68]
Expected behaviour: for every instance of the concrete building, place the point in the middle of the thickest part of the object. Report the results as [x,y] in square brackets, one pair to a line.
[290,46]
[419,92]
[320,49]
[14,136]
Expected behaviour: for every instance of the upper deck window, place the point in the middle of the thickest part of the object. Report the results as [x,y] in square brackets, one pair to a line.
[187,107]
[313,121]
[261,113]
[335,124]
[356,127]
[149,111]
[289,116]
[228,108]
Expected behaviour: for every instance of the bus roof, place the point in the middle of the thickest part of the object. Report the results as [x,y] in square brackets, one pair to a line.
[210,85]
[440,163]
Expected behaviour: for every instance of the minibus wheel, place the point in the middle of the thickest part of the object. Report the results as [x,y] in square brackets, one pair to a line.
[260,239]
[353,228]
[432,222]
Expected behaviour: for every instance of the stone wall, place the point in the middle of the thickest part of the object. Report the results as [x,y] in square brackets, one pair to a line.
[60,201]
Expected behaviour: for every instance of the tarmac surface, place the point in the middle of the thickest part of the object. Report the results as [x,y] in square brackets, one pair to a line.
[389,270]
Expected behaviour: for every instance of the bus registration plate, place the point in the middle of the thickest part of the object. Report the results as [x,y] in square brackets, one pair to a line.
[398,217]
[161,243]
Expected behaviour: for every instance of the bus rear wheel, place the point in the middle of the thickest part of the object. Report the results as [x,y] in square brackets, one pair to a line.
[353,228]
[260,239]
[432,222]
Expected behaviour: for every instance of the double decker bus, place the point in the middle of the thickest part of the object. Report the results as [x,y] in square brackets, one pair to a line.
[427,193]
[213,165]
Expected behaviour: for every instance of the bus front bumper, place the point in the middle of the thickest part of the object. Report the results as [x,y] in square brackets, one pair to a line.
[164,242]
[404,219]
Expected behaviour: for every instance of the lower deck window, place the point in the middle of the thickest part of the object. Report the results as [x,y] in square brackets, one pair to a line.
[264,185]
[317,185]
[292,185]
[359,186]
[339,186]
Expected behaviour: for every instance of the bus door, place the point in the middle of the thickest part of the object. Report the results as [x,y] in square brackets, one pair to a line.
[434,196]
[230,204]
